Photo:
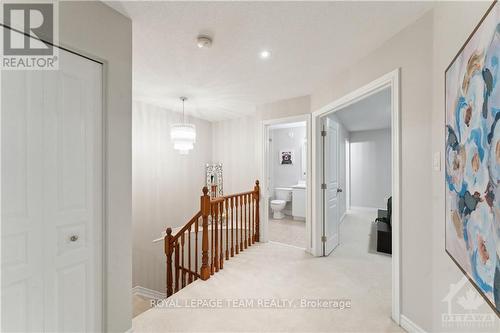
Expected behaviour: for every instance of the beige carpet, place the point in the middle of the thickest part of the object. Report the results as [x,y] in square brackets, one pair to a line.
[288,231]
[270,272]
[140,304]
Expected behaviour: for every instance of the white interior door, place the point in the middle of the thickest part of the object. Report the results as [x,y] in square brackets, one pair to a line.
[330,187]
[52,198]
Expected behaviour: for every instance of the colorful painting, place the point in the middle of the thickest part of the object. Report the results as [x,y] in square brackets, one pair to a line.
[473,158]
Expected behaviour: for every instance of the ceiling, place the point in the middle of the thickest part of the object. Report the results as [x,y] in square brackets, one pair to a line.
[370,113]
[309,42]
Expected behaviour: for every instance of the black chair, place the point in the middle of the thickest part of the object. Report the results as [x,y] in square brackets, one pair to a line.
[384,229]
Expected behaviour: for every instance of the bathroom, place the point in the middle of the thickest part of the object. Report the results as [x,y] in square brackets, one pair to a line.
[288,165]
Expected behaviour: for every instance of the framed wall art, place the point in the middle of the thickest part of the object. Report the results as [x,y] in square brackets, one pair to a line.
[472,156]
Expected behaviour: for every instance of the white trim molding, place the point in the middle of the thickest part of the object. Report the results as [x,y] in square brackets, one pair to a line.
[390,80]
[264,176]
[409,326]
[148,293]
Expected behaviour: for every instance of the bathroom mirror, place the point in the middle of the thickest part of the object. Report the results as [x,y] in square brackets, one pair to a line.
[303,159]
[214,179]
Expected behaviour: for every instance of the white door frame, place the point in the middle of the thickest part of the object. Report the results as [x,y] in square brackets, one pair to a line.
[389,80]
[265,124]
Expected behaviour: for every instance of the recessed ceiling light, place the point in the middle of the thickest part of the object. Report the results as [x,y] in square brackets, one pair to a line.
[265,54]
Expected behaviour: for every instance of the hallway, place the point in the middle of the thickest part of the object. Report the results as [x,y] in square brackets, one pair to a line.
[270,271]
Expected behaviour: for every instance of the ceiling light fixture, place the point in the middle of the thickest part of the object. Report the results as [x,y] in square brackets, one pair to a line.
[183,135]
[265,54]
[203,41]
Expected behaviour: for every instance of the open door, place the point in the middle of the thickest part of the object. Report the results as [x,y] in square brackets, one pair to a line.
[330,185]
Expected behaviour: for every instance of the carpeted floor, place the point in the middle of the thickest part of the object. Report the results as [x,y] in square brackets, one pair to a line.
[140,304]
[288,231]
[271,273]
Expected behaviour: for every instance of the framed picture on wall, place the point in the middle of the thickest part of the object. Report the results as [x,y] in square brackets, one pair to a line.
[287,157]
[472,158]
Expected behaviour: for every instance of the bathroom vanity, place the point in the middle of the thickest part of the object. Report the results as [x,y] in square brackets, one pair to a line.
[299,201]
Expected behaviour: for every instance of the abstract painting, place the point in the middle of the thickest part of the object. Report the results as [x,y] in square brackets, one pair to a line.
[472,151]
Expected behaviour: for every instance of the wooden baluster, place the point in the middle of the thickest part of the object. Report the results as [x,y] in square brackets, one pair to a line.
[226,203]
[176,264]
[250,219]
[183,273]
[196,248]
[246,227]
[221,243]
[236,222]
[254,219]
[214,223]
[247,200]
[205,211]
[212,270]
[241,223]
[168,253]
[231,201]
[257,219]
[190,275]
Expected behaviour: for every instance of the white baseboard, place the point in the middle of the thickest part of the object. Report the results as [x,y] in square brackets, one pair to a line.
[148,293]
[364,209]
[130,330]
[409,326]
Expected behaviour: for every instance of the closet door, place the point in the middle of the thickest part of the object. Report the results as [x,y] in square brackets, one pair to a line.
[52,186]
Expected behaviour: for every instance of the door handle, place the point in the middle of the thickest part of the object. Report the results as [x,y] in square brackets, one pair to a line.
[73,238]
[339,190]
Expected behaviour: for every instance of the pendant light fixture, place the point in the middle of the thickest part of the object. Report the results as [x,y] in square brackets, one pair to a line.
[183,135]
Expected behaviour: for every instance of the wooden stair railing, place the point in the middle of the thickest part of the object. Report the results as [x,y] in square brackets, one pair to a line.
[229,225]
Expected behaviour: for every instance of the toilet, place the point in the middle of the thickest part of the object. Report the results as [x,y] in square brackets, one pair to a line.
[282,196]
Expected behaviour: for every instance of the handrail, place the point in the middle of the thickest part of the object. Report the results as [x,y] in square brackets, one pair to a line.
[236,214]
[186,227]
[238,194]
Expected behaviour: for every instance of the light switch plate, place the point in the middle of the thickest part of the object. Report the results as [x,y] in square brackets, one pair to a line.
[436,161]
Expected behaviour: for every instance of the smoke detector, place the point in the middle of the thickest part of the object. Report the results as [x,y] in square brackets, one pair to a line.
[203,41]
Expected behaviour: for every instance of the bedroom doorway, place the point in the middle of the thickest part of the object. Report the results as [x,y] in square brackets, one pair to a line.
[329,201]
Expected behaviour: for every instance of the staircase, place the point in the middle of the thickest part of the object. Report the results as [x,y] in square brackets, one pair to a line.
[228,225]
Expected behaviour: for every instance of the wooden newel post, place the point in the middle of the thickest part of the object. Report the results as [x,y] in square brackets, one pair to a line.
[205,211]
[257,211]
[168,253]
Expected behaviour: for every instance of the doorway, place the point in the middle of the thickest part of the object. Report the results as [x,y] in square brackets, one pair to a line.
[286,198]
[52,197]
[327,183]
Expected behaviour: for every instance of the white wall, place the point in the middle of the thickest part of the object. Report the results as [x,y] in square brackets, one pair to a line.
[109,37]
[284,108]
[370,174]
[410,50]
[453,23]
[166,186]
[286,175]
[235,145]
[422,51]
